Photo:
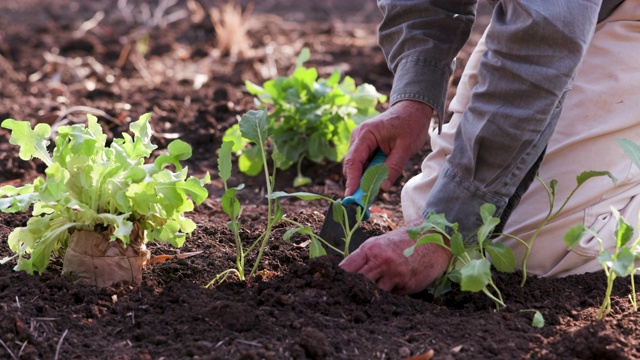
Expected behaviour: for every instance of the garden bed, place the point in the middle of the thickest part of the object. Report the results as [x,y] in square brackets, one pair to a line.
[54,69]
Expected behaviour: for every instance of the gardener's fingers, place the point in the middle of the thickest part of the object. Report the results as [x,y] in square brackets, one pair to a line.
[355,261]
[376,260]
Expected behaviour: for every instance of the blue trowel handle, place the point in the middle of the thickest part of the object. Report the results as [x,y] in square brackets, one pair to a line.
[356,197]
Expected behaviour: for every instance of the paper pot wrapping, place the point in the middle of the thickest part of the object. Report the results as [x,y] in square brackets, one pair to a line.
[91,259]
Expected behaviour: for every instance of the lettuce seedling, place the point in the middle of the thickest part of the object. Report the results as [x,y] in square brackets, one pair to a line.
[89,185]
[310,118]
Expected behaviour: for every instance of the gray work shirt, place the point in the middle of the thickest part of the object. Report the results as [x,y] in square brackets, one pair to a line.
[534,50]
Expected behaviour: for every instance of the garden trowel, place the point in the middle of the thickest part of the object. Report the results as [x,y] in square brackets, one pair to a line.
[332,231]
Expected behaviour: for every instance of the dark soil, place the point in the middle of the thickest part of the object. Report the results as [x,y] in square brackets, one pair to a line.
[295,308]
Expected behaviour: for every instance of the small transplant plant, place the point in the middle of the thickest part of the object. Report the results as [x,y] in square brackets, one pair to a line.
[621,262]
[550,189]
[470,266]
[253,128]
[370,186]
[472,259]
[89,186]
[309,118]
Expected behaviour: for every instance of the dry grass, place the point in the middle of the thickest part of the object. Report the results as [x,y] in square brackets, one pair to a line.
[231,25]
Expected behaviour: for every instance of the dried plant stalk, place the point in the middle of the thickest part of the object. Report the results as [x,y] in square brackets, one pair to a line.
[230,24]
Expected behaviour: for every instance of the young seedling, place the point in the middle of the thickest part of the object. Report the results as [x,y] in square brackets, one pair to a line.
[470,266]
[538,319]
[310,118]
[231,206]
[620,263]
[370,186]
[551,215]
[253,127]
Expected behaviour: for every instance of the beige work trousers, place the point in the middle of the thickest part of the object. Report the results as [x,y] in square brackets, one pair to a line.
[603,105]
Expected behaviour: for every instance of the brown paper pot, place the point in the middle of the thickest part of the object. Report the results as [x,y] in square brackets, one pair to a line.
[91,259]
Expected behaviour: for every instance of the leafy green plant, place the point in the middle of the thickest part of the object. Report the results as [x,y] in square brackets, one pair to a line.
[370,186]
[89,185]
[310,118]
[253,128]
[620,263]
[470,265]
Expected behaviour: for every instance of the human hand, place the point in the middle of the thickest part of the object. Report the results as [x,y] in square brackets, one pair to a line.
[382,261]
[399,132]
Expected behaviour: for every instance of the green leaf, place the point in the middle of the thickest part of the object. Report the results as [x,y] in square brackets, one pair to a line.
[623,232]
[553,185]
[455,276]
[366,97]
[631,149]
[624,262]
[371,181]
[300,230]
[193,188]
[339,213]
[573,236]
[230,204]
[538,320]
[606,259]
[178,151]
[487,211]
[234,136]
[253,126]
[253,89]
[501,256]
[486,229]
[32,143]
[316,249]
[18,199]
[475,275]
[140,145]
[250,162]
[303,57]
[432,221]
[300,195]
[432,238]
[457,244]
[224,160]
[586,175]
[301,181]
[409,251]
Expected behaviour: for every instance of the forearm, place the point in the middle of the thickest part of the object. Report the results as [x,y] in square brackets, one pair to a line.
[534,50]
[420,39]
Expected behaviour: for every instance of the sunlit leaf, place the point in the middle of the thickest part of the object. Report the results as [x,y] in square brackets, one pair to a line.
[573,236]
[316,249]
[501,256]
[475,275]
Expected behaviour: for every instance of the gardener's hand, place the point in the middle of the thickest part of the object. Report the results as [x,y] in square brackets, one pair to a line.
[399,132]
[381,260]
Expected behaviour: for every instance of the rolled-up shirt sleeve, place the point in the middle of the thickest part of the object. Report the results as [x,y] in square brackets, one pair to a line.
[420,39]
[534,51]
